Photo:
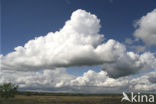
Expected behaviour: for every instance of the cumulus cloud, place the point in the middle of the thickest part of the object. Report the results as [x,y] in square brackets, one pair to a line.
[80,43]
[130,63]
[144,82]
[138,48]
[146,28]
[77,43]
[90,82]
[37,79]
[0,61]
[99,79]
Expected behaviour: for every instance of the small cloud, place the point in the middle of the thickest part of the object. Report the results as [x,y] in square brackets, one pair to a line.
[146,28]
[129,41]
[138,48]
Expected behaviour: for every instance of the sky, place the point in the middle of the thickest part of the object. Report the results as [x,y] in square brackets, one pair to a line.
[73,44]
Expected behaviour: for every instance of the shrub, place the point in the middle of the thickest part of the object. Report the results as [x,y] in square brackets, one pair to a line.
[8,90]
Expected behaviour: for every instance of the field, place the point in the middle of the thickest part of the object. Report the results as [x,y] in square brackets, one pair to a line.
[61,100]
[65,99]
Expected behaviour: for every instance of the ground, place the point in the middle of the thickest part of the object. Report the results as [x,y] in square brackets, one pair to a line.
[79,99]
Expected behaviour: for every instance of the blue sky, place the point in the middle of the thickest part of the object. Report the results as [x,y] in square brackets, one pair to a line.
[23,20]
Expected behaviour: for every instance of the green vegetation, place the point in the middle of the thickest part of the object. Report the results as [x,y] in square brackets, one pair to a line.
[8,90]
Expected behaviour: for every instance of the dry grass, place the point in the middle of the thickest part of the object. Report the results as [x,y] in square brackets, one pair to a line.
[61,100]
[114,99]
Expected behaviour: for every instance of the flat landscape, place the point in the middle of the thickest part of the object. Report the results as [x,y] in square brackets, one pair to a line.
[62,100]
[66,99]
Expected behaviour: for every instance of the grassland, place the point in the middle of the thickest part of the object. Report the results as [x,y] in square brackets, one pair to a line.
[65,99]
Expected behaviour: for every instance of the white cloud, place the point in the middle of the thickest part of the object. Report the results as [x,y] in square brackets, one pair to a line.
[144,83]
[91,81]
[129,41]
[130,63]
[99,79]
[1,61]
[46,78]
[138,48]
[77,43]
[146,30]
